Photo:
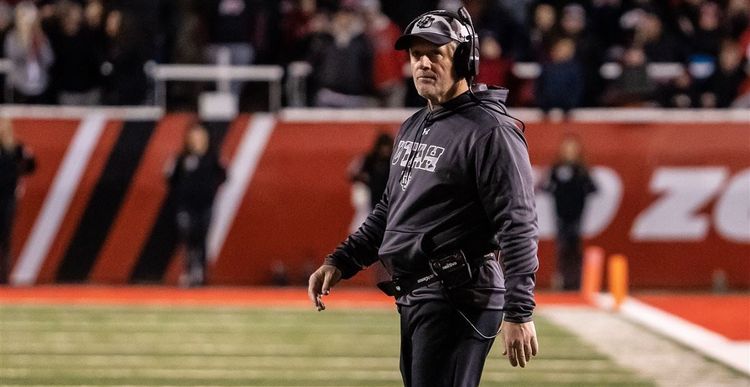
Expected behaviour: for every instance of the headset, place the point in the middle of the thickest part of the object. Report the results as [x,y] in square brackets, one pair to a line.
[466,57]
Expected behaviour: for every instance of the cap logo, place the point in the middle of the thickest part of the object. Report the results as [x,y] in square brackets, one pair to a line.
[425,22]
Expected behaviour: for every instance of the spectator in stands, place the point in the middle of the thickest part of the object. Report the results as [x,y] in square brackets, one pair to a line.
[6,22]
[707,36]
[76,72]
[560,84]
[543,32]
[230,32]
[94,14]
[570,184]
[678,92]
[737,18]
[342,59]
[16,160]
[491,18]
[299,23]
[723,85]
[604,17]
[125,77]
[388,67]
[494,68]
[402,12]
[659,45]
[588,51]
[27,46]
[195,176]
[633,87]
[189,48]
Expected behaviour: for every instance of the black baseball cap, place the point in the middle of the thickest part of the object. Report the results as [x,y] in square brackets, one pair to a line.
[434,28]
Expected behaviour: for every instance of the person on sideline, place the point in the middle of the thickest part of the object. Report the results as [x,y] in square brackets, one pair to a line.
[369,176]
[459,202]
[195,176]
[16,160]
[570,184]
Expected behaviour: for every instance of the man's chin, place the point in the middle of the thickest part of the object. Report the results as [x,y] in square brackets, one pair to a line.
[426,93]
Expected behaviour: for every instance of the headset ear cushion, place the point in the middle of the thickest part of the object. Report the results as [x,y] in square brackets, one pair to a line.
[461,60]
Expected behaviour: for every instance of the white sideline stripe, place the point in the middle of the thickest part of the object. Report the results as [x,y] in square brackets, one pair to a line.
[735,354]
[240,173]
[58,199]
[131,113]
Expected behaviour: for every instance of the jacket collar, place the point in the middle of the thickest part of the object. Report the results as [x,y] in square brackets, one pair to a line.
[482,93]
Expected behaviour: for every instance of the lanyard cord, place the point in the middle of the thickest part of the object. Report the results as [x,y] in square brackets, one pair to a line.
[471,324]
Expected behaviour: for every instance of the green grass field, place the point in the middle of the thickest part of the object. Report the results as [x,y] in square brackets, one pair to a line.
[211,346]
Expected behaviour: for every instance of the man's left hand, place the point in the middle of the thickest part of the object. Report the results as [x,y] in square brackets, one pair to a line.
[520,342]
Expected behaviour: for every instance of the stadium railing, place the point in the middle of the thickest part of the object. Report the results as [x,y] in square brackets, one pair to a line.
[222,75]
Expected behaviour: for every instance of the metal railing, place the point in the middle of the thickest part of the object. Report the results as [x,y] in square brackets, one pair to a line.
[223,75]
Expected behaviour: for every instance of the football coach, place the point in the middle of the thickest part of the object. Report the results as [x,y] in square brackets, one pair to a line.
[456,227]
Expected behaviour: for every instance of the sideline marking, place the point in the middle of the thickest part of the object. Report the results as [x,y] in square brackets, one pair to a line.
[735,354]
[57,202]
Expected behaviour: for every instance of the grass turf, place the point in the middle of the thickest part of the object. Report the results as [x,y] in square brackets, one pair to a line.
[212,346]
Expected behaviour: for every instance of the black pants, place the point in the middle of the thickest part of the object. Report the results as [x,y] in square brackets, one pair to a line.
[7,211]
[569,254]
[193,228]
[440,349]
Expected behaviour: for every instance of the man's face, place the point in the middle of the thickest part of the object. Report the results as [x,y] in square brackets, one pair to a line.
[432,70]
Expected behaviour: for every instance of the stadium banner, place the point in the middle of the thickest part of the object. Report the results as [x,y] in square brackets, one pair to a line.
[674,197]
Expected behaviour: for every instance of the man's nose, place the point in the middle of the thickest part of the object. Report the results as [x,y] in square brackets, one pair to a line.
[424,61]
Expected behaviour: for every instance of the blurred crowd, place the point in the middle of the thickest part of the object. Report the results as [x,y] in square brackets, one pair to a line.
[590,53]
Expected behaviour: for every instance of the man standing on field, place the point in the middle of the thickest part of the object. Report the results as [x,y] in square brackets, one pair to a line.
[459,201]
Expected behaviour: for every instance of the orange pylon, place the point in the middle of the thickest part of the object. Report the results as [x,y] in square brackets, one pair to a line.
[593,270]
[618,279]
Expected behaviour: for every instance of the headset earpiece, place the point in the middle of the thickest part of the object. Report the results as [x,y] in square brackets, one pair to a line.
[461,60]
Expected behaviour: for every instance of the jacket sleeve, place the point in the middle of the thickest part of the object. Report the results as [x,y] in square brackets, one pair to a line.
[26,160]
[505,186]
[360,249]
[589,185]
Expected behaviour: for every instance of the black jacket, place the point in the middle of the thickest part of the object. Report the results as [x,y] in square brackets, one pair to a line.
[14,163]
[460,179]
[196,179]
[570,183]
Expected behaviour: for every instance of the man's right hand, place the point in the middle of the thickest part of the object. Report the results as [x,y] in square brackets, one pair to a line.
[320,284]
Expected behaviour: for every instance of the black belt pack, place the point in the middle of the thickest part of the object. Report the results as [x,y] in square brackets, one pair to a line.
[452,270]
